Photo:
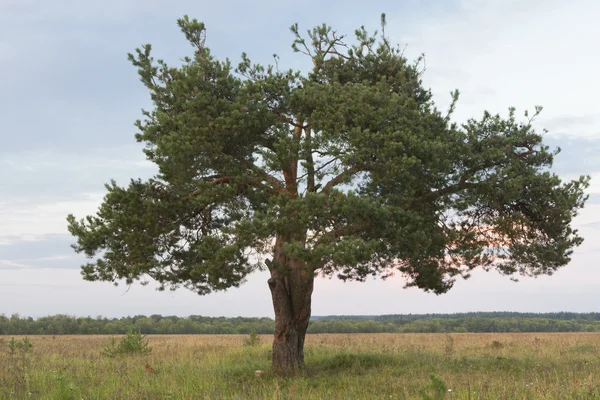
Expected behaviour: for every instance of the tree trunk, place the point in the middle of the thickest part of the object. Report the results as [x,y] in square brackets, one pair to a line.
[291,285]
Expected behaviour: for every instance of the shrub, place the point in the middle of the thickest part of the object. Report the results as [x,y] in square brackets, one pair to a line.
[132,343]
[252,340]
[449,347]
[18,365]
[19,346]
[437,386]
[497,345]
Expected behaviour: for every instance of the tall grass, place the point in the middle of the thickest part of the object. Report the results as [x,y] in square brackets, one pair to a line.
[372,366]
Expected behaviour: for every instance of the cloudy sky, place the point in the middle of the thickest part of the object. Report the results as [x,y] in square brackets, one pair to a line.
[69,97]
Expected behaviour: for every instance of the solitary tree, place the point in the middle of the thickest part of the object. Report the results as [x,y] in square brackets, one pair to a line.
[346,170]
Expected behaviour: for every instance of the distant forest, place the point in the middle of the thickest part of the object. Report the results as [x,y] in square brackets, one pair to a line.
[412,323]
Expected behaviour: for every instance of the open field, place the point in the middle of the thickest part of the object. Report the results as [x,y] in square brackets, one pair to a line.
[384,366]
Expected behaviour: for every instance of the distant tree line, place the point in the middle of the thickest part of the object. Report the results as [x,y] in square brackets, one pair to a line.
[195,324]
[562,315]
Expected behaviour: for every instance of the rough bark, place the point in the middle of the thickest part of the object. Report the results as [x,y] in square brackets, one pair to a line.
[291,285]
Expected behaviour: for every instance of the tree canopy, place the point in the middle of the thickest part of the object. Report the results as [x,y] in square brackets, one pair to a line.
[348,169]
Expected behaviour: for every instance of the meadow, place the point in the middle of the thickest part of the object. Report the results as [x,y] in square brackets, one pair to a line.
[339,366]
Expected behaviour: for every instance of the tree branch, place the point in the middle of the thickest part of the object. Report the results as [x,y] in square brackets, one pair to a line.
[461,185]
[334,41]
[276,186]
[310,164]
[215,180]
[276,183]
[523,155]
[340,178]
[342,231]
[290,121]
[348,230]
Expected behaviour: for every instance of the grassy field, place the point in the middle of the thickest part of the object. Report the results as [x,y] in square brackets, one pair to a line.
[372,366]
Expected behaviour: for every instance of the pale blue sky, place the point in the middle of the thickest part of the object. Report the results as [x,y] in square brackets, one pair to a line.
[69,97]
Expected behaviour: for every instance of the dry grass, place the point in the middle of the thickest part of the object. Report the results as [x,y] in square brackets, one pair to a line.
[474,366]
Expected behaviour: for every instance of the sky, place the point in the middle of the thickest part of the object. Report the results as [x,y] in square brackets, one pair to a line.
[69,98]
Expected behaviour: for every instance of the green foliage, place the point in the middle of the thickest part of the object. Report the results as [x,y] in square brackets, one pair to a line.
[62,388]
[132,343]
[584,348]
[437,386]
[496,345]
[350,165]
[449,345]
[252,340]
[19,364]
[21,346]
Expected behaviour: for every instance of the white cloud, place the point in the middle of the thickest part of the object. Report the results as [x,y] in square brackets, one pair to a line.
[503,53]
[10,264]
[107,161]
[55,258]
[33,221]
[50,262]
[42,188]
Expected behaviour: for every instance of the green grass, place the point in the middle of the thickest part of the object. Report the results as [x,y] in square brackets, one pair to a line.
[376,366]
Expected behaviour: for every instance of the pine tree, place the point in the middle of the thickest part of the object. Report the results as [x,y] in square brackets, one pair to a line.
[347,170]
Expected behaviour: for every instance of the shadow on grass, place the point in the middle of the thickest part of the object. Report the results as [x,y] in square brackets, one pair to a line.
[324,363]
[355,363]
[584,348]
